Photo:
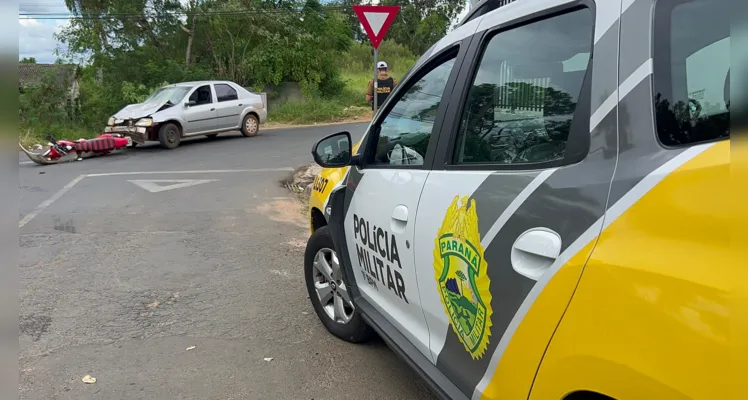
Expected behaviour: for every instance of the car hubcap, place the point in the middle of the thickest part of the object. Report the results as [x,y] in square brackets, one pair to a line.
[172,136]
[331,290]
[251,125]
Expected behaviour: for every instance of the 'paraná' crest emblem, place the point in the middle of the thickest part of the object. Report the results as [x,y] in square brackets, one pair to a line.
[461,276]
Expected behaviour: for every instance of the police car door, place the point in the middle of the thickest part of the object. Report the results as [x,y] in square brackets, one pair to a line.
[518,189]
[383,194]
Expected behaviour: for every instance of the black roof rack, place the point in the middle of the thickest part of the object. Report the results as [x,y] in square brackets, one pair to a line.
[483,7]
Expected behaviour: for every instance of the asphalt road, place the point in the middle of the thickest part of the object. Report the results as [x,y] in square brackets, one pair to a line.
[118,281]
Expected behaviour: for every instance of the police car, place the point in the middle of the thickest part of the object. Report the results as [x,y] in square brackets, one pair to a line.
[539,208]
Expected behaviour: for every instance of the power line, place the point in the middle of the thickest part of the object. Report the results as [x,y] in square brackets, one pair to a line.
[172,14]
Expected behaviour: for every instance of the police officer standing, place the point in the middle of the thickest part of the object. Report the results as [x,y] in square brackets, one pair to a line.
[385,84]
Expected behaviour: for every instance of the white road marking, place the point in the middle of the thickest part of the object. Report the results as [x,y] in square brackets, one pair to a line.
[26,219]
[25,162]
[153,186]
[214,171]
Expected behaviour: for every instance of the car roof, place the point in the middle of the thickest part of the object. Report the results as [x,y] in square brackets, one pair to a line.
[197,83]
[480,8]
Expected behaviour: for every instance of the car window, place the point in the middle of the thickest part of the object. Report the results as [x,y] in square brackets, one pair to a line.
[173,94]
[692,71]
[225,92]
[202,95]
[405,131]
[523,97]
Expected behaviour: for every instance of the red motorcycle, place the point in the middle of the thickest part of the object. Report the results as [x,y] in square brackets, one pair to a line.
[60,151]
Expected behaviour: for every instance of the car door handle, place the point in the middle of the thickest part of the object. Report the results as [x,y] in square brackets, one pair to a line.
[399,219]
[240,105]
[535,251]
[212,109]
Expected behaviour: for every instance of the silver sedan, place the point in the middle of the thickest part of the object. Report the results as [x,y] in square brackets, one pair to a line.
[191,109]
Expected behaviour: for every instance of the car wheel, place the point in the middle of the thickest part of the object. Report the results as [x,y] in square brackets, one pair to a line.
[328,292]
[212,136]
[250,125]
[169,136]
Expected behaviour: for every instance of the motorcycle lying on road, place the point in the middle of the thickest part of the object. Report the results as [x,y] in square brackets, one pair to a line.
[60,151]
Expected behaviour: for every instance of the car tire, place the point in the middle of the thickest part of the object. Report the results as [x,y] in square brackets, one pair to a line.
[250,125]
[169,136]
[352,327]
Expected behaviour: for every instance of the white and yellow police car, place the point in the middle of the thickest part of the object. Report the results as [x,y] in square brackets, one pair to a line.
[539,209]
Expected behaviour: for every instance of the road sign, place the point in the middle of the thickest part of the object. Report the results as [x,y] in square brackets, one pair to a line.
[152,185]
[376,21]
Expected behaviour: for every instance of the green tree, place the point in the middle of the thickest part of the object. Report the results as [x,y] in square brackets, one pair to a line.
[28,60]
[421,23]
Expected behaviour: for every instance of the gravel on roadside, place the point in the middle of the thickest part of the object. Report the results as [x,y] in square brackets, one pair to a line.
[300,182]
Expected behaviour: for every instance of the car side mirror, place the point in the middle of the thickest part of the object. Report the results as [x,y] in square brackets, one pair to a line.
[190,103]
[333,151]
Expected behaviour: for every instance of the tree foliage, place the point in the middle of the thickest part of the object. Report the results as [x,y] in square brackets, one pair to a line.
[130,47]
[421,23]
[251,42]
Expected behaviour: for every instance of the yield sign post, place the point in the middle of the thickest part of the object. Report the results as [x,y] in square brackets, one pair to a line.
[376,21]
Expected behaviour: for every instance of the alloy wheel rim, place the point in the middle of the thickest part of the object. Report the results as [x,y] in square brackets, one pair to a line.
[331,291]
[251,125]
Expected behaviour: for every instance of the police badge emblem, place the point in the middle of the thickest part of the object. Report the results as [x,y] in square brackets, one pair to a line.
[461,276]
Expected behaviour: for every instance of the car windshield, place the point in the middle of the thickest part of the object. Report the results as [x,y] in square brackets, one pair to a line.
[172,94]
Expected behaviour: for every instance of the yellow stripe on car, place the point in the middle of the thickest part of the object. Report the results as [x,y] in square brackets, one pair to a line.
[652,311]
[322,186]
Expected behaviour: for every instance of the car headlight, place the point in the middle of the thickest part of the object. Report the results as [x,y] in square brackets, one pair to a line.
[144,122]
[111,121]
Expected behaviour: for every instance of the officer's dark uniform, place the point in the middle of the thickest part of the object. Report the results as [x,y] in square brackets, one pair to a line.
[385,85]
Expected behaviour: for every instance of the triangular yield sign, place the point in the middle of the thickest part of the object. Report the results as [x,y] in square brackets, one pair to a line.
[152,185]
[376,21]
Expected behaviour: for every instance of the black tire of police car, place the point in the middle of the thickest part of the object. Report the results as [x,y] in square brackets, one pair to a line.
[356,330]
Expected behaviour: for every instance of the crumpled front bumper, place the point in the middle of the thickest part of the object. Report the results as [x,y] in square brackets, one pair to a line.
[139,134]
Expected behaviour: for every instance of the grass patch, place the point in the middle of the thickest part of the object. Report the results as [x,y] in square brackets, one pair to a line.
[349,105]
[29,137]
[317,111]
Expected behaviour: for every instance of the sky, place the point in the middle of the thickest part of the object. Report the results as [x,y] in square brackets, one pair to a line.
[36,36]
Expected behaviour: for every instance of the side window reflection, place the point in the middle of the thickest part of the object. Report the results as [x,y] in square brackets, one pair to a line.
[523,98]
[406,130]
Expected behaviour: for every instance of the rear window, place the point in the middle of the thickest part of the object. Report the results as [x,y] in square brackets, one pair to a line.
[692,71]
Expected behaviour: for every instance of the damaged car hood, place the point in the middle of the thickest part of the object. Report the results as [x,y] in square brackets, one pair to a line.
[141,110]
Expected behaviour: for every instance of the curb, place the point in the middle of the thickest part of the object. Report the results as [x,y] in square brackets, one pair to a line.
[294,187]
[322,125]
